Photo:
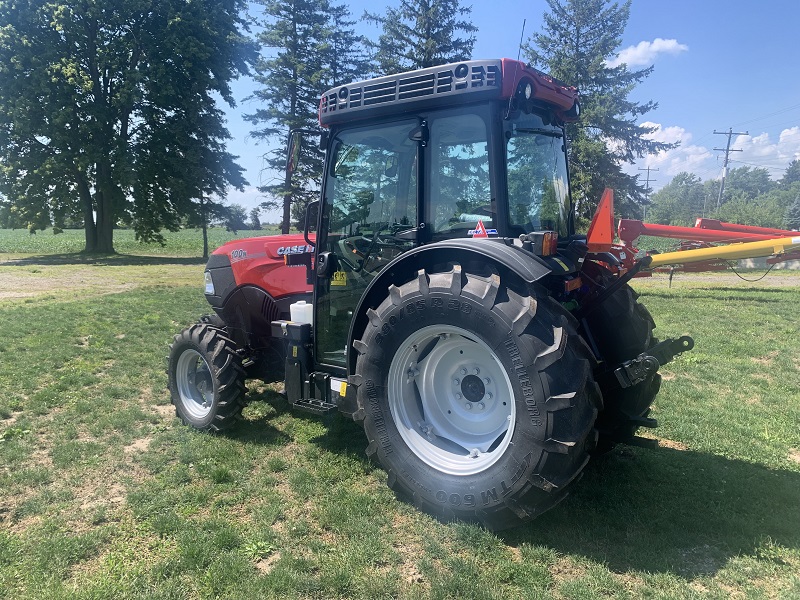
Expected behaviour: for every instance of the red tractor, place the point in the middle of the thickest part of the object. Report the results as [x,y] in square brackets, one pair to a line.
[443,299]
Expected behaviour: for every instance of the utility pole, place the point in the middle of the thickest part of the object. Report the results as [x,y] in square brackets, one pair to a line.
[727,150]
[647,191]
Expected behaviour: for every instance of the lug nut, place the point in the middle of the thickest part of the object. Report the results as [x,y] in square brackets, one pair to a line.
[458,396]
[477,370]
[456,381]
[487,381]
[468,406]
[489,396]
[481,406]
[463,371]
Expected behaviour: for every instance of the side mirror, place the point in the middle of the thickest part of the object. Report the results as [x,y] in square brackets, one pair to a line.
[293,151]
[312,213]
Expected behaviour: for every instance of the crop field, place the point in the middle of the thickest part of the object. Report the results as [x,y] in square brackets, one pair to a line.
[104,494]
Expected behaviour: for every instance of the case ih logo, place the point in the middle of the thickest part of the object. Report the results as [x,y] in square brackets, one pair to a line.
[302,249]
[481,232]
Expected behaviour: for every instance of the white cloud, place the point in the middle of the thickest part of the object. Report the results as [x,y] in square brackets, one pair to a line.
[758,150]
[645,53]
[686,157]
[761,151]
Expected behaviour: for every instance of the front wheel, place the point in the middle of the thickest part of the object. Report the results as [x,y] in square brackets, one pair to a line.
[478,399]
[206,378]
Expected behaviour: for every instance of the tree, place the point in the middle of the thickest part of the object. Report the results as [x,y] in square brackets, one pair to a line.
[422,33]
[100,101]
[679,202]
[314,48]
[579,40]
[792,218]
[235,218]
[255,222]
[792,174]
[752,182]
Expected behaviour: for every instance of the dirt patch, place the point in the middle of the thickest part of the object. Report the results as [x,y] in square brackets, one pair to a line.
[138,446]
[765,360]
[265,565]
[672,445]
[794,455]
[164,410]
[565,570]
[24,281]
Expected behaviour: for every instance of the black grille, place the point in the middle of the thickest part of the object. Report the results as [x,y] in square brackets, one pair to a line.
[405,87]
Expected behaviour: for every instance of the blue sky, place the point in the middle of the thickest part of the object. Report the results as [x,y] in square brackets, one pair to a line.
[718,65]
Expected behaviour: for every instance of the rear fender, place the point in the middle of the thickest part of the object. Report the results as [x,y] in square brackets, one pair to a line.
[508,261]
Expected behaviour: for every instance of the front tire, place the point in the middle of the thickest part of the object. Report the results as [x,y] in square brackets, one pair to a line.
[206,378]
[477,399]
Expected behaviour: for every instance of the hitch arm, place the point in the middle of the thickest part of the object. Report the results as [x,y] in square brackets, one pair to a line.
[637,370]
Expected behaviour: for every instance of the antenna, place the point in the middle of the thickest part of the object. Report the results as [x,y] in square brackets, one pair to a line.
[516,68]
[521,37]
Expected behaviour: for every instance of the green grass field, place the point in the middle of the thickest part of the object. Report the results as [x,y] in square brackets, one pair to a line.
[104,494]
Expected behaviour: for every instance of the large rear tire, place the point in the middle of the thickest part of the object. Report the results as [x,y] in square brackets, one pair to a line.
[622,329]
[477,399]
[206,378]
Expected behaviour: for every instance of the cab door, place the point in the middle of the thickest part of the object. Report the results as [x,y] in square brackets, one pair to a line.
[369,216]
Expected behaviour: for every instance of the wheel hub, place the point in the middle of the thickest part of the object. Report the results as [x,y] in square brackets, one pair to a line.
[451,399]
[473,388]
[194,383]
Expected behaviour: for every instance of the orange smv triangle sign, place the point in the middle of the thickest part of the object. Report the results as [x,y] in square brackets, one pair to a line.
[479,231]
[601,231]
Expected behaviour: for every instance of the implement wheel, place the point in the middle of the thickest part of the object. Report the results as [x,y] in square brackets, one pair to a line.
[477,399]
[206,378]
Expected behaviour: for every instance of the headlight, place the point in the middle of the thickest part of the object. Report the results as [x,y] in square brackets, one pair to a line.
[209,283]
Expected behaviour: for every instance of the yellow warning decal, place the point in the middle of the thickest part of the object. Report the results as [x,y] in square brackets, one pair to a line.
[343,389]
[294,351]
[339,278]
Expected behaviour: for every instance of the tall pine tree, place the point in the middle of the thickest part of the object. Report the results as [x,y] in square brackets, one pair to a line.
[420,34]
[310,46]
[578,41]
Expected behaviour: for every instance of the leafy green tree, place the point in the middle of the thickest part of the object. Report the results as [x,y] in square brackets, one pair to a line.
[312,47]
[235,218]
[577,43]
[751,182]
[422,33]
[792,174]
[95,101]
[792,218]
[679,202]
[255,222]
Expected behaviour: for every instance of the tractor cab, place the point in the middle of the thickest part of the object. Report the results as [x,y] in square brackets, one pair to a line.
[470,152]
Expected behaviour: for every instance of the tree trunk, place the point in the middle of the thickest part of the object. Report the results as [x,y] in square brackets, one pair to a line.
[89,228]
[105,210]
[204,217]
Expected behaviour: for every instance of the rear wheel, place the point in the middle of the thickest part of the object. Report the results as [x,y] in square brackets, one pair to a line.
[206,378]
[622,329]
[477,399]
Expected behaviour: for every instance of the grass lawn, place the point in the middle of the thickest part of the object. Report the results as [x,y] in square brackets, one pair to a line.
[103,494]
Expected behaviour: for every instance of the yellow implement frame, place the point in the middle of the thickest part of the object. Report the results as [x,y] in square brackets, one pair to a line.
[729,252]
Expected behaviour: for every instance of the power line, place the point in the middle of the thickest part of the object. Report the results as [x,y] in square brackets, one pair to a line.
[646,191]
[730,133]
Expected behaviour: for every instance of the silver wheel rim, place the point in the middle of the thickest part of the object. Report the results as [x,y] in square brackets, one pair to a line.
[451,400]
[195,384]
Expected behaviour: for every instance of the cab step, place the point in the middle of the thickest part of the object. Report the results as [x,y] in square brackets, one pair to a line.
[314,406]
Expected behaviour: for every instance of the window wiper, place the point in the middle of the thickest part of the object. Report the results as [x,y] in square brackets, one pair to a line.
[539,131]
